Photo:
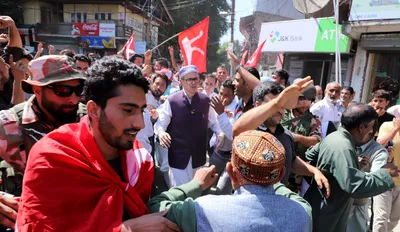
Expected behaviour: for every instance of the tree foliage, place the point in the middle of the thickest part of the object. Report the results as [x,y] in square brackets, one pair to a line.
[186,14]
[12,8]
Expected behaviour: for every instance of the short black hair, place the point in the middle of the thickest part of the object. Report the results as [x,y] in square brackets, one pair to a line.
[357,114]
[265,88]
[253,71]
[163,62]
[381,93]
[229,84]
[107,74]
[348,88]
[133,58]
[67,52]
[283,75]
[83,58]
[154,76]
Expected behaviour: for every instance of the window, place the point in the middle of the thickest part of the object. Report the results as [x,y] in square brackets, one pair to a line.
[102,16]
[79,17]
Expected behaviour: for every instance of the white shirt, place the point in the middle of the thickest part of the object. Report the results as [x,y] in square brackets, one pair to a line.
[326,111]
[165,115]
[213,94]
[151,100]
[226,122]
[227,146]
[146,132]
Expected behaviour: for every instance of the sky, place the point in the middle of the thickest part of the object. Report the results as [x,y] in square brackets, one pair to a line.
[243,8]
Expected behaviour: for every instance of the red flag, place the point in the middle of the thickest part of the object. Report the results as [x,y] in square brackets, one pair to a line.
[129,47]
[244,57]
[193,43]
[253,60]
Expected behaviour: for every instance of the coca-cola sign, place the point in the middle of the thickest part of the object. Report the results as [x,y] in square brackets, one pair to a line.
[85,29]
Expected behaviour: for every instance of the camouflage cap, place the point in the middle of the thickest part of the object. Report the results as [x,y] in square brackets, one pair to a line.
[258,156]
[51,69]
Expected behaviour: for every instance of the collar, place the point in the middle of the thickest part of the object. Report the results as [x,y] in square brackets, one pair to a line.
[31,111]
[249,104]
[347,135]
[255,189]
[279,129]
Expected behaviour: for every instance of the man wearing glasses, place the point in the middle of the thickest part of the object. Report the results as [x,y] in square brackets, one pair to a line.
[56,86]
[182,128]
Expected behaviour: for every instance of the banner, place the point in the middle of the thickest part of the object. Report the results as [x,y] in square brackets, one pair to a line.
[374,10]
[193,43]
[85,29]
[306,35]
[96,42]
[93,29]
[107,30]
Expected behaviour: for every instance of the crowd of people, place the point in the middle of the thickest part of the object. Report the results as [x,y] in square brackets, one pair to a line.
[114,144]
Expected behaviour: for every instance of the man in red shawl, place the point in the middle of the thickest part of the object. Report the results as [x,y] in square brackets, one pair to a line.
[94,175]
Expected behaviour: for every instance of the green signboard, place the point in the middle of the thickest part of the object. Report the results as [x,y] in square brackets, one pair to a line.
[326,37]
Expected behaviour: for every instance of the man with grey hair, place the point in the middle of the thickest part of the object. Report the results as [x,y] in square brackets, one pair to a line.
[182,128]
[328,109]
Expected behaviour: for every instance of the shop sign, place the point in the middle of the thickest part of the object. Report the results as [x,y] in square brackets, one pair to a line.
[96,42]
[93,29]
[374,9]
[107,30]
[308,35]
[85,29]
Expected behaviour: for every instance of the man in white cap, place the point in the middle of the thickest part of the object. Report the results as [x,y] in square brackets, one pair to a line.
[182,128]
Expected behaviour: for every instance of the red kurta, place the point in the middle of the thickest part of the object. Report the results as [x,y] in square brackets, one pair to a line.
[69,186]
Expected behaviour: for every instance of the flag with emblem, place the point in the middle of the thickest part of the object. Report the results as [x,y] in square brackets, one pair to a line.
[253,60]
[129,47]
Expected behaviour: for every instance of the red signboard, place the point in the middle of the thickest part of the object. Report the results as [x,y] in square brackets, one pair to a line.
[85,29]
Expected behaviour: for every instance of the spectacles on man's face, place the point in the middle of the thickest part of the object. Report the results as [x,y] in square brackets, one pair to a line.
[66,90]
[192,80]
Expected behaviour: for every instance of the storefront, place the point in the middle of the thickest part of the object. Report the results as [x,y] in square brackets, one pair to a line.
[309,46]
[377,61]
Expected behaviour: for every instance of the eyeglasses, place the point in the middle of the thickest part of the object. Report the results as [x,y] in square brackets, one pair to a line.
[192,80]
[66,90]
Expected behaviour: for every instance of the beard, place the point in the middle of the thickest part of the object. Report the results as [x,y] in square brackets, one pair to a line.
[63,113]
[107,129]
[156,93]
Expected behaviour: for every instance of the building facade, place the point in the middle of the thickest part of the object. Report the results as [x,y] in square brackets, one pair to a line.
[89,26]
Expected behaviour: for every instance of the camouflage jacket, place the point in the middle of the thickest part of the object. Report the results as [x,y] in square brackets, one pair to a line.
[306,125]
[21,127]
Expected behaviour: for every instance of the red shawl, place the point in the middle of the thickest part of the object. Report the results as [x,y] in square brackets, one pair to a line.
[69,186]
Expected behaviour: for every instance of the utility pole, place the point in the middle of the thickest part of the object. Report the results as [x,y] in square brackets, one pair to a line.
[233,21]
[149,23]
[232,35]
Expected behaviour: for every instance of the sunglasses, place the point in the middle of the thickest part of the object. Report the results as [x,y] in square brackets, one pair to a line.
[66,90]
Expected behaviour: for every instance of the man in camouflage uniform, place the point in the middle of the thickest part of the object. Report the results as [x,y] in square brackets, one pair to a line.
[56,86]
[305,128]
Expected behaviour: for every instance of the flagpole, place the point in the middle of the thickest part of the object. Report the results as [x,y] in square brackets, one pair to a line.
[164,42]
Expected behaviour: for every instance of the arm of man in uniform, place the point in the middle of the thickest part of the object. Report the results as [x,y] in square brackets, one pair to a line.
[280,189]
[357,183]
[314,136]
[255,117]
[179,200]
